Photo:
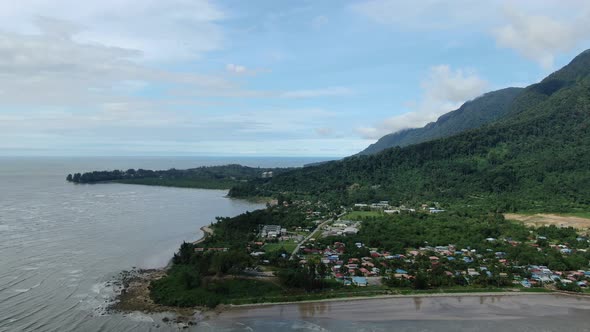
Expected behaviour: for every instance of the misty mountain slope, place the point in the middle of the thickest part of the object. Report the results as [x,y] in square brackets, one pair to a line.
[473,114]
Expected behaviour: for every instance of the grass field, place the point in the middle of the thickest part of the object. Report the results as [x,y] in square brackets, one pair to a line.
[360,215]
[272,247]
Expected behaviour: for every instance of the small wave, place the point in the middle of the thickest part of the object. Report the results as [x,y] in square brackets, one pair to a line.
[140,317]
[21,290]
[307,326]
[104,297]
[29,268]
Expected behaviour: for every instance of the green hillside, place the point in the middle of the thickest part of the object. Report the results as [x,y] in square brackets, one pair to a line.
[537,158]
[473,114]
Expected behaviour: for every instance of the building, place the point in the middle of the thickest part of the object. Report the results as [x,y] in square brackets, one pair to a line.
[350,230]
[271,231]
[359,281]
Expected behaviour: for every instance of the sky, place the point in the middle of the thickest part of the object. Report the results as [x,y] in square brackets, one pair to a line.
[260,77]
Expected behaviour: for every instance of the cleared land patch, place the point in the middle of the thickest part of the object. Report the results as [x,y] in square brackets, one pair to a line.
[543,219]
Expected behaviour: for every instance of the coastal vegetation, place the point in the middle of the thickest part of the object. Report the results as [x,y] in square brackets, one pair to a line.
[207,177]
[237,265]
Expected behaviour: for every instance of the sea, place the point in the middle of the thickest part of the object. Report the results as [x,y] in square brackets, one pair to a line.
[62,245]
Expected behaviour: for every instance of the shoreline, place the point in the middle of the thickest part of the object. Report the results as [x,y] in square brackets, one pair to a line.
[134,296]
[207,231]
[392,296]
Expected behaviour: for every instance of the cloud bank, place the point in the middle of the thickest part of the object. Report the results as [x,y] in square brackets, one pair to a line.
[443,90]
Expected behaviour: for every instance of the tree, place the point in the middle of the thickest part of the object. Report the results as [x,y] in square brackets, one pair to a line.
[420,281]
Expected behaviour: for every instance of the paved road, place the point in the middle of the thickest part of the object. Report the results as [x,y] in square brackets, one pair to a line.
[311,234]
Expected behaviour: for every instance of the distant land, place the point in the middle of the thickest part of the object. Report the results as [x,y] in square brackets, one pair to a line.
[206,177]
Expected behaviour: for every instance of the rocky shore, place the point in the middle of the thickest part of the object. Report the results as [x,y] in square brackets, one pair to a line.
[135,297]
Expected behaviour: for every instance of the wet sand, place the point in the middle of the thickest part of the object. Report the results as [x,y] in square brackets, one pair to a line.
[476,312]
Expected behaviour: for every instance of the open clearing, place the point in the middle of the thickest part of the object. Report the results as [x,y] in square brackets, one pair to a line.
[542,219]
[360,215]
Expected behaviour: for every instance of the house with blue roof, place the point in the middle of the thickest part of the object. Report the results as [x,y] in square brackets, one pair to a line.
[359,281]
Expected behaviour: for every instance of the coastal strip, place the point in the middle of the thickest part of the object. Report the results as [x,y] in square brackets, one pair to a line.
[394,296]
[207,231]
[135,292]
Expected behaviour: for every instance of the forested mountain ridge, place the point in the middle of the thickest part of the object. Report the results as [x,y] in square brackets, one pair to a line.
[472,114]
[537,157]
[488,108]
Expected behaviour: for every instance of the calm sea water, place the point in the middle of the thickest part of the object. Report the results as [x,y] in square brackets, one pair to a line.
[61,243]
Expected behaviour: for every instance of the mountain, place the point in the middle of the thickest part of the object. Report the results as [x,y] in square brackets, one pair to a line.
[535,158]
[473,114]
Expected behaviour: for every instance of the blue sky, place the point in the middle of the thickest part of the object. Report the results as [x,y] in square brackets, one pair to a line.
[266,78]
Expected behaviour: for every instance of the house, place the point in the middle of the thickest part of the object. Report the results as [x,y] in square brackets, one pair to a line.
[359,281]
[350,231]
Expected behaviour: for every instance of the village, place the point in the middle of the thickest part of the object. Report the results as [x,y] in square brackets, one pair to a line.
[354,263]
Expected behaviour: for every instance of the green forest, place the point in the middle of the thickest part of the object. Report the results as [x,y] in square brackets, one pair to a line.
[536,159]
[207,177]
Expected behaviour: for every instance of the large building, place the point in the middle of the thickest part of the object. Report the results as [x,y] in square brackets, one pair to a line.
[271,231]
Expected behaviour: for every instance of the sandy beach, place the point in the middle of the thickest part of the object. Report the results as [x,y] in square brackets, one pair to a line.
[207,231]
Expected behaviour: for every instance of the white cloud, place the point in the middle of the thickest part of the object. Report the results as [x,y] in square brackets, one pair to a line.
[161,30]
[324,131]
[319,21]
[243,70]
[326,92]
[52,68]
[538,30]
[541,37]
[443,91]
[235,69]
[425,14]
[133,128]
